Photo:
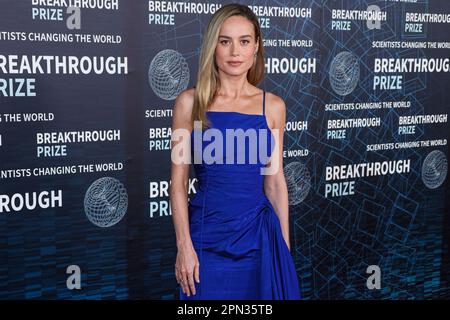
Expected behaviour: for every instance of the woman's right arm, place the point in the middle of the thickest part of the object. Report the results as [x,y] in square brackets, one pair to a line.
[187,264]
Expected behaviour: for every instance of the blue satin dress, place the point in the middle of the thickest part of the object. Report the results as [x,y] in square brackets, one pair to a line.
[234,228]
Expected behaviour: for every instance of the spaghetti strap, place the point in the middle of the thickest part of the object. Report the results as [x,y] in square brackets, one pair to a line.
[264,102]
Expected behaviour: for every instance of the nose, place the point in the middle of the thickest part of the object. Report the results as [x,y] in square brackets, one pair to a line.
[234,50]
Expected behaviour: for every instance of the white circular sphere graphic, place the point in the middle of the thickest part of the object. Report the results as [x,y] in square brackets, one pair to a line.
[106,202]
[344,73]
[168,74]
[434,169]
[298,181]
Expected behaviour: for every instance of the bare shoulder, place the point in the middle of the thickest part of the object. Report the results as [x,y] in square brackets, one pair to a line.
[275,110]
[275,102]
[184,104]
[185,99]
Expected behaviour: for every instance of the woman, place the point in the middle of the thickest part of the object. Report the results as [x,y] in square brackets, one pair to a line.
[233,236]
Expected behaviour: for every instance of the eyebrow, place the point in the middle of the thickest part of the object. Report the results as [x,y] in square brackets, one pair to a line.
[227,37]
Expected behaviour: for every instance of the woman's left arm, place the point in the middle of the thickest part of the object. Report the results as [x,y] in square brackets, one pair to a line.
[275,186]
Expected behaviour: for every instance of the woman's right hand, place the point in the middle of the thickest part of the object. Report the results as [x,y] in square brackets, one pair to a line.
[187,269]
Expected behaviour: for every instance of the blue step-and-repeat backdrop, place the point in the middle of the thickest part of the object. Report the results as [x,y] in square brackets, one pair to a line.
[87,89]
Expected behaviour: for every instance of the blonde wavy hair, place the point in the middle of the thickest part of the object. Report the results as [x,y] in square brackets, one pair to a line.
[208,81]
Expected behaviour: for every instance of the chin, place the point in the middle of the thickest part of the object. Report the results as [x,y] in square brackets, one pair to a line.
[234,72]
